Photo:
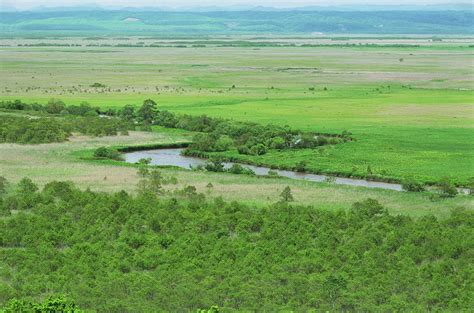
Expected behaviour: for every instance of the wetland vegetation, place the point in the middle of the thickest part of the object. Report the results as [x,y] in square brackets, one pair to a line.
[83,230]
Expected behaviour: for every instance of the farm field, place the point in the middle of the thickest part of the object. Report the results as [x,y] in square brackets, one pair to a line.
[409,108]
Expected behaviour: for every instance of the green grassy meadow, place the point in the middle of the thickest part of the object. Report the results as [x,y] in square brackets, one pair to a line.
[409,108]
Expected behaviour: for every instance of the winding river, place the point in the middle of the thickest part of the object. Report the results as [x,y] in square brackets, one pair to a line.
[173,157]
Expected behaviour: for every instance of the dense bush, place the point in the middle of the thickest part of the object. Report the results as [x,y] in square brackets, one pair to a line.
[447,189]
[239,169]
[49,305]
[118,253]
[26,130]
[216,165]
[248,138]
[107,153]
[413,186]
[98,126]
[54,106]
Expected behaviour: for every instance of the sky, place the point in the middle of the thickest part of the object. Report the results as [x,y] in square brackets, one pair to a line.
[29,4]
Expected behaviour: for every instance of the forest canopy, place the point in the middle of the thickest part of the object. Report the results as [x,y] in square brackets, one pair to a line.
[178,251]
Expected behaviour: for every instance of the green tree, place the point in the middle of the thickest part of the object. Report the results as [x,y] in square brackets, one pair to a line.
[55,106]
[148,111]
[27,186]
[152,181]
[127,112]
[368,208]
[209,187]
[286,195]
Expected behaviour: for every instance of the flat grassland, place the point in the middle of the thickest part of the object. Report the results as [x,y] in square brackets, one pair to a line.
[409,107]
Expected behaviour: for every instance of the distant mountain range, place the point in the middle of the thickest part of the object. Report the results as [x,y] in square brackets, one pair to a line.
[86,21]
[6,7]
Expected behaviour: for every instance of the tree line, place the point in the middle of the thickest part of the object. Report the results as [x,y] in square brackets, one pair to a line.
[36,130]
[214,134]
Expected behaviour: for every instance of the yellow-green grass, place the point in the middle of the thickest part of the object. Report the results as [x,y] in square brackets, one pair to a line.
[60,161]
[411,118]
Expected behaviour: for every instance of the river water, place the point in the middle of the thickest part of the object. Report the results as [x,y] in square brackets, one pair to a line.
[173,157]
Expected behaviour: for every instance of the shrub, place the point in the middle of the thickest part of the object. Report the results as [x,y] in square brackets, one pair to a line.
[239,169]
[107,153]
[330,179]
[413,186]
[301,166]
[243,150]
[368,208]
[258,149]
[277,143]
[469,187]
[272,173]
[203,142]
[214,165]
[55,106]
[447,189]
[223,143]
[286,195]
[91,113]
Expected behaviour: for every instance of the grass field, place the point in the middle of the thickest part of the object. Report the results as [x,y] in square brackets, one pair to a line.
[410,109]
